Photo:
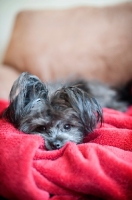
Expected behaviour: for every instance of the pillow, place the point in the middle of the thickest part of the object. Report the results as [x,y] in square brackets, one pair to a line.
[7,77]
[89,42]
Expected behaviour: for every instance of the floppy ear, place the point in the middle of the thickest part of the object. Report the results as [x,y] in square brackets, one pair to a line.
[86,106]
[26,90]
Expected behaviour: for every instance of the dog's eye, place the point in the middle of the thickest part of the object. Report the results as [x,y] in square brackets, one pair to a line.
[41,129]
[67,127]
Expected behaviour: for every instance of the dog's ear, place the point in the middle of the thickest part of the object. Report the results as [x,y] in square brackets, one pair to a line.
[26,90]
[85,105]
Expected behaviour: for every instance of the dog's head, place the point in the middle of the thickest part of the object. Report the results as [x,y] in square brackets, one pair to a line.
[67,114]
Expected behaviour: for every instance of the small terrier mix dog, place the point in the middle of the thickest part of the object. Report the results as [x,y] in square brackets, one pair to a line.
[60,113]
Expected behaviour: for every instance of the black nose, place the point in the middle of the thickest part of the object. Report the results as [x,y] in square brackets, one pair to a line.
[56,144]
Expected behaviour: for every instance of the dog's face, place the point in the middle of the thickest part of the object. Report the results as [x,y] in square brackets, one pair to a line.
[56,127]
[67,114]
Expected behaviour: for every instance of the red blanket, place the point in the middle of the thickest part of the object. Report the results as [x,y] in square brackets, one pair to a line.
[100,168]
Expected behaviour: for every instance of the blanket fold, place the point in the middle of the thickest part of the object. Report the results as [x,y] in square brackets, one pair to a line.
[100,168]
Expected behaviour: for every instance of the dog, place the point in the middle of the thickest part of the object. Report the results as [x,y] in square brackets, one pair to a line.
[60,112]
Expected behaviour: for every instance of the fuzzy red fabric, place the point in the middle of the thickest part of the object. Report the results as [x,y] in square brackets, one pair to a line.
[100,168]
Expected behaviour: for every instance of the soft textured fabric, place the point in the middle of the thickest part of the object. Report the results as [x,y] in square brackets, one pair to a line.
[92,42]
[100,168]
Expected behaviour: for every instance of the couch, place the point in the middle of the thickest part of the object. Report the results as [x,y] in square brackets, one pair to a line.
[94,43]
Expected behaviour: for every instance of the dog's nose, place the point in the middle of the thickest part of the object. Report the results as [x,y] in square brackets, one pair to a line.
[56,145]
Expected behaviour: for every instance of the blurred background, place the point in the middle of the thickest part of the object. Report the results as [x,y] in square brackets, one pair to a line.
[92,40]
[9,9]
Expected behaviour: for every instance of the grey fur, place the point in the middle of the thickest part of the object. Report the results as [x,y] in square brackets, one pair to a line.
[59,113]
[107,96]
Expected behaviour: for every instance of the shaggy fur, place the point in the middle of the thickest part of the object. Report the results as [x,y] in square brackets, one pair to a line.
[59,113]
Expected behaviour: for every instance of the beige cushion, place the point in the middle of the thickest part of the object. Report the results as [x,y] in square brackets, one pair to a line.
[7,77]
[95,43]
